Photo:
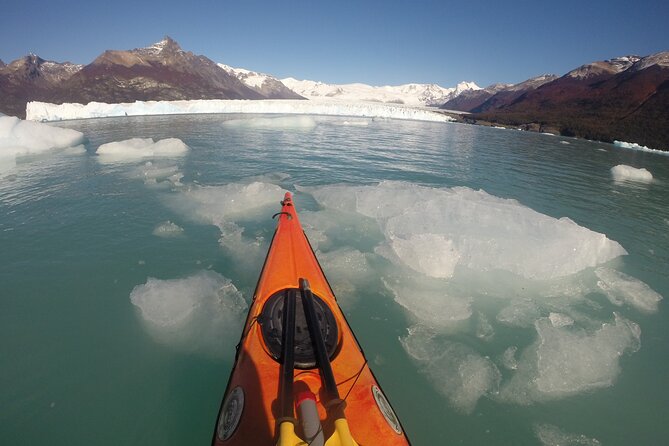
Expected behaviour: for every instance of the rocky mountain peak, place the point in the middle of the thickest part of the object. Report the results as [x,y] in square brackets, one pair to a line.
[27,66]
[659,59]
[603,68]
[165,46]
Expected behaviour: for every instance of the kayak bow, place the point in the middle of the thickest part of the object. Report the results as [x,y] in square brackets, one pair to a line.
[296,357]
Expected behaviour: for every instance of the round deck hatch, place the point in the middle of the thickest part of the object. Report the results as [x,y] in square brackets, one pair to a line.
[271,321]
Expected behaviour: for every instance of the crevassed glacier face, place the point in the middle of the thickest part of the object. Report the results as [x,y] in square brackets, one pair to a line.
[55,112]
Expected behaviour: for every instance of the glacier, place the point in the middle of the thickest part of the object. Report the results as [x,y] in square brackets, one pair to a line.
[43,111]
[408,94]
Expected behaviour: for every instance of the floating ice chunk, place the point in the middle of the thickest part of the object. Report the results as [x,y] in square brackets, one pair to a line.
[218,204]
[520,313]
[25,137]
[570,362]
[455,370]
[470,228]
[565,142]
[138,148]
[550,435]
[431,254]
[19,138]
[224,207]
[328,228]
[623,172]
[508,358]
[278,123]
[151,171]
[560,320]
[620,288]
[247,251]
[355,122]
[348,271]
[168,229]
[483,328]
[202,312]
[431,306]
[159,174]
[567,360]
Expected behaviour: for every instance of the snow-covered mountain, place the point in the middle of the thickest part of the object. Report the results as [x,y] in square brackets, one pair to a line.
[408,94]
[269,86]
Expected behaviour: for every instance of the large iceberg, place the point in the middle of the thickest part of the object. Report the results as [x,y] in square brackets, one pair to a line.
[434,231]
[42,111]
[21,138]
[467,267]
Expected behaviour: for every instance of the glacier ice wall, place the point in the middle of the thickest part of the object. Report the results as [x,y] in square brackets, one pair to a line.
[42,111]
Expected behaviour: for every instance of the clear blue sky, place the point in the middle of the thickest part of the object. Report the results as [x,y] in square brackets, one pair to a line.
[375,42]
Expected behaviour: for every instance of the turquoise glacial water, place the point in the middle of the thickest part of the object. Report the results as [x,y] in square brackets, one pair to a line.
[486,318]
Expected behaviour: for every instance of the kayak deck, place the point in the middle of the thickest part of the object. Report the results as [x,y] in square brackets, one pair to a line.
[274,364]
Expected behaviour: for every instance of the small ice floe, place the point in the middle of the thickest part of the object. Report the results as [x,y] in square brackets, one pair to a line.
[621,289]
[623,172]
[560,320]
[274,123]
[550,435]
[168,229]
[456,371]
[138,148]
[199,313]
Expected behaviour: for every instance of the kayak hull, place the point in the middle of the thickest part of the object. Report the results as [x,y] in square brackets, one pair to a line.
[251,412]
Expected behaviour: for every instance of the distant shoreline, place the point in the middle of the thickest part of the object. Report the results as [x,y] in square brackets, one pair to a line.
[467,118]
[47,112]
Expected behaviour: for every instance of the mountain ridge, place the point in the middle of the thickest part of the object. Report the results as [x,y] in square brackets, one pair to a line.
[161,71]
[625,99]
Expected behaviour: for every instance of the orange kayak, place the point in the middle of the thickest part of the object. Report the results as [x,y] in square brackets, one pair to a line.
[300,376]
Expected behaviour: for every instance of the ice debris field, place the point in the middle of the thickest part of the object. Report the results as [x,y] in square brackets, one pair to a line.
[498,265]
[457,261]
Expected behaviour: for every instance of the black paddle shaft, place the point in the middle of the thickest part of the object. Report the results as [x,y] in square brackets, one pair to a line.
[288,355]
[317,339]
